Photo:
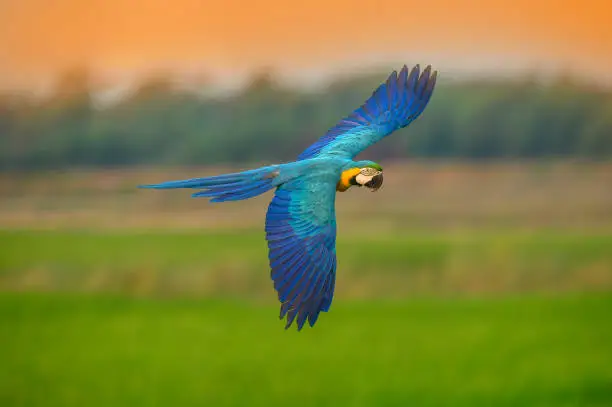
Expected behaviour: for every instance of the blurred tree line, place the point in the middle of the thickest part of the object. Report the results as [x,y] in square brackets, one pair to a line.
[158,123]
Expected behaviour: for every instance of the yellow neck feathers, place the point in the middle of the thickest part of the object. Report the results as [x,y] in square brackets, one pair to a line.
[345,179]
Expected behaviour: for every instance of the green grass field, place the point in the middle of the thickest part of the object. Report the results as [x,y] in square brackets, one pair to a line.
[225,263]
[112,351]
[458,285]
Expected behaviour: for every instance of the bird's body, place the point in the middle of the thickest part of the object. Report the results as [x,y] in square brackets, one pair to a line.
[301,221]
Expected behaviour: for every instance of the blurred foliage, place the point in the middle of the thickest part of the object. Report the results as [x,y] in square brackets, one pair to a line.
[160,123]
[225,264]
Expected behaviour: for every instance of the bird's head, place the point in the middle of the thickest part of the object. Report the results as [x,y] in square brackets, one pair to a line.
[368,174]
[370,177]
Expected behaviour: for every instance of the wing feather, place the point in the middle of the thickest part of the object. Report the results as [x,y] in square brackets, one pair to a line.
[393,105]
[301,235]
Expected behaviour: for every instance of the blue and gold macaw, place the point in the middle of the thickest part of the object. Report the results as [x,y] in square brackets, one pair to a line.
[301,219]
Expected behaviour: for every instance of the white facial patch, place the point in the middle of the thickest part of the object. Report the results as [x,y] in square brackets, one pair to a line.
[363,179]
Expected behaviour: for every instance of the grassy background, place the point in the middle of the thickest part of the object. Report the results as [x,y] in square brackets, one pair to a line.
[225,263]
[113,351]
[471,285]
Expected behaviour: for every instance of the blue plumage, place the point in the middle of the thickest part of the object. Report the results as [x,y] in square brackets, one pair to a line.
[301,220]
[301,235]
[228,187]
[393,105]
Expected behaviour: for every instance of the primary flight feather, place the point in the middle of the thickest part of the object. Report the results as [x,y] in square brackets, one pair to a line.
[301,219]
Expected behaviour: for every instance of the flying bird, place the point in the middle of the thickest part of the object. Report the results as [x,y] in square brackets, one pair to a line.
[301,220]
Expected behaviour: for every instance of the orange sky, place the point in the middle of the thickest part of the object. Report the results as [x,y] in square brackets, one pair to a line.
[41,37]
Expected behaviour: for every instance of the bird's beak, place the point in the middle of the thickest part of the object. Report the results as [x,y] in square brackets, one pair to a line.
[375,183]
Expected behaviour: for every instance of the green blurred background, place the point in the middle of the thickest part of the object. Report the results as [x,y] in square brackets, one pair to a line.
[479,275]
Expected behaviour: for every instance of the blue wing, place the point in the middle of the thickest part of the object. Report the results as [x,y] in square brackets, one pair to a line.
[395,104]
[301,235]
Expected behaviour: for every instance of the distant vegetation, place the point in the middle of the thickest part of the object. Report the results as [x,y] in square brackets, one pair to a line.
[434,229]
[265,122]
[225,264]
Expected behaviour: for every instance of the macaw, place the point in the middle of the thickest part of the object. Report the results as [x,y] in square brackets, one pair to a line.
[301,221]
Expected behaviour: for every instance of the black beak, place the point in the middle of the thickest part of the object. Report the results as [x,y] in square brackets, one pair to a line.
[375,183]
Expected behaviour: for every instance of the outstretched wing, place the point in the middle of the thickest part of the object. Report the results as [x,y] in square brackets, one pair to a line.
[395,104]
[301,235]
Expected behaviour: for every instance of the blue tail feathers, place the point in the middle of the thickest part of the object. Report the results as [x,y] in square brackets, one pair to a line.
[227,187]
